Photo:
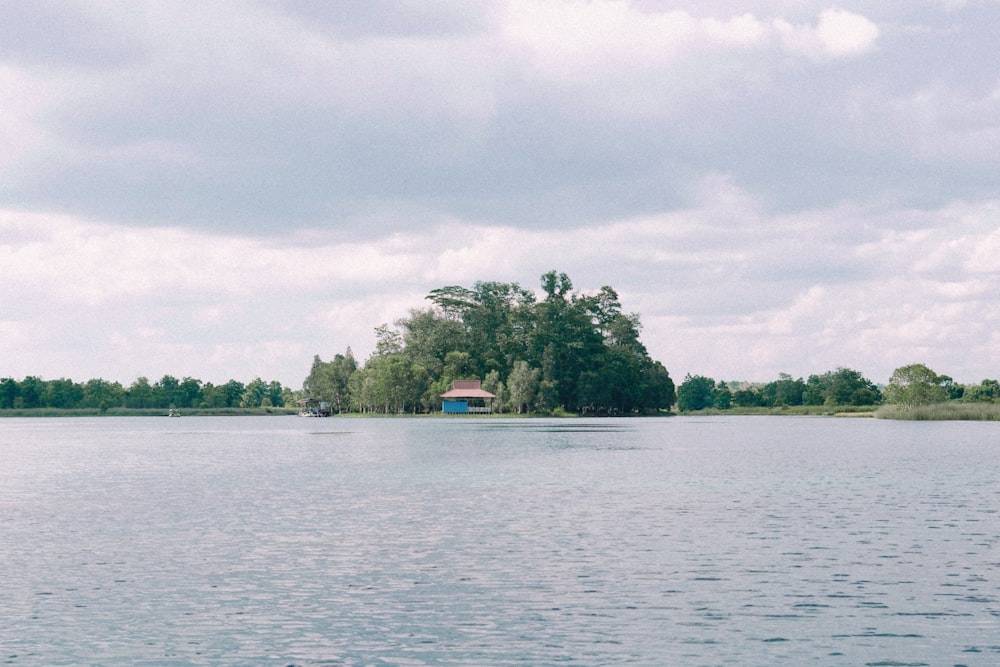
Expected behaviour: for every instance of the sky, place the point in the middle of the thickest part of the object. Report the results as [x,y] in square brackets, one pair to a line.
[222,190]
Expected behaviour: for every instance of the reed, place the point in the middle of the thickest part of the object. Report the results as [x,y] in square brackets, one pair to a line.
[952,411]
[790,411]
[143,412]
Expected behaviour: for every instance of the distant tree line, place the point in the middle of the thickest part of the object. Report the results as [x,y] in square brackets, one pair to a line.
[843,386]
[567,352]
[168,392]
[911,385]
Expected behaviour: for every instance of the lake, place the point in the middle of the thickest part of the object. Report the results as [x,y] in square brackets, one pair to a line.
[487,541]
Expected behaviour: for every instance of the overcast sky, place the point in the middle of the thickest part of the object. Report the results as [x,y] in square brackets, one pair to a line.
[225,189]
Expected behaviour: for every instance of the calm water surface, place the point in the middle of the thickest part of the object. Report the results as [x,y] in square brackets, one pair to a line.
[684,541]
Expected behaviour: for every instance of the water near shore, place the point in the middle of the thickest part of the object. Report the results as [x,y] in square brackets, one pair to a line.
[683,541]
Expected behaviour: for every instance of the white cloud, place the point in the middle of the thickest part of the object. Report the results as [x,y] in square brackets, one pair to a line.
[772,185]
[746,299]
[839,33]
[572,40]
[947,122]
[843,33]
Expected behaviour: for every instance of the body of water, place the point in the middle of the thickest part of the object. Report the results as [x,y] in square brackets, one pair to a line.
[471,541]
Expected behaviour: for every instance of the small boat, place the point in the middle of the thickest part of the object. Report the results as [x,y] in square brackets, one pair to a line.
[313,407]
[173,413]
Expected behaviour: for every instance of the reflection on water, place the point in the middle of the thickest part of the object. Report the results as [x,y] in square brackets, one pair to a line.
[484,541]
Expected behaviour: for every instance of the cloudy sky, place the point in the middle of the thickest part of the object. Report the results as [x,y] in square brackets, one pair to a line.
[224,189]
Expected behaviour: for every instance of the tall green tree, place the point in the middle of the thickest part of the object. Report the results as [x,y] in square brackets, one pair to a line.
[8,393]
[387,340]
[212,396]
[30,392]
[254,394]
[495,386]
[392,383]
[330,381]
[987,390]
[188,393]
[62,393]
[697,392]
[913,385]
[748,397]
[494,319]
[723,396]
[101,394]
[164,394]
[568,350]
[275,394]
[429,336]
[566,341]
[658,391]
[783,391]
[952,388]
[522,387]
[233,391]
[846,386]
[139,394]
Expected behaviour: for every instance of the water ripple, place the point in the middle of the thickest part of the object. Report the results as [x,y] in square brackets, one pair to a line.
[456,542]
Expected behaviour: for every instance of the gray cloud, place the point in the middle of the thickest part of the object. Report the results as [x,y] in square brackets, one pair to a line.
[732,167]
[307,114]
[46,33]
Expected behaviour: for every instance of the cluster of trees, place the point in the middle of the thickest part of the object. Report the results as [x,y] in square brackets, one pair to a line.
[168,392]
[987,390]
[843,386]
[566,351]
[917,384]
[910,385]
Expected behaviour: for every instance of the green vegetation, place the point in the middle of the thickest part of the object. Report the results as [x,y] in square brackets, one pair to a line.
[144,412]
[916,385]
[64,397]
[567,353]
[793,411]
[840,391]
[952,410]
[916,392]
[699,393]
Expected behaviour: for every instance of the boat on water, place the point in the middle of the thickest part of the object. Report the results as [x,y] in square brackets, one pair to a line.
[313,407]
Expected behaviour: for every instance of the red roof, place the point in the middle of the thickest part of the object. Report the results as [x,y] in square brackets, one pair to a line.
[467,389]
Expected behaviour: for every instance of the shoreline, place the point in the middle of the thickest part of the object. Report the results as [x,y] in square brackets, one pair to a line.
[938,412]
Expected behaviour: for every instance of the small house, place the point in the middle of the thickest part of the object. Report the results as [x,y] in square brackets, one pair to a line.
[465,397]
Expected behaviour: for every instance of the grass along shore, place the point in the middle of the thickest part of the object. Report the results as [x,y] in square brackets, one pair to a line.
[951,411]
[790,411]
[144,412]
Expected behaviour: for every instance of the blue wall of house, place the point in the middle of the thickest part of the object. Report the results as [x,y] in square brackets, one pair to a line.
[455,407]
